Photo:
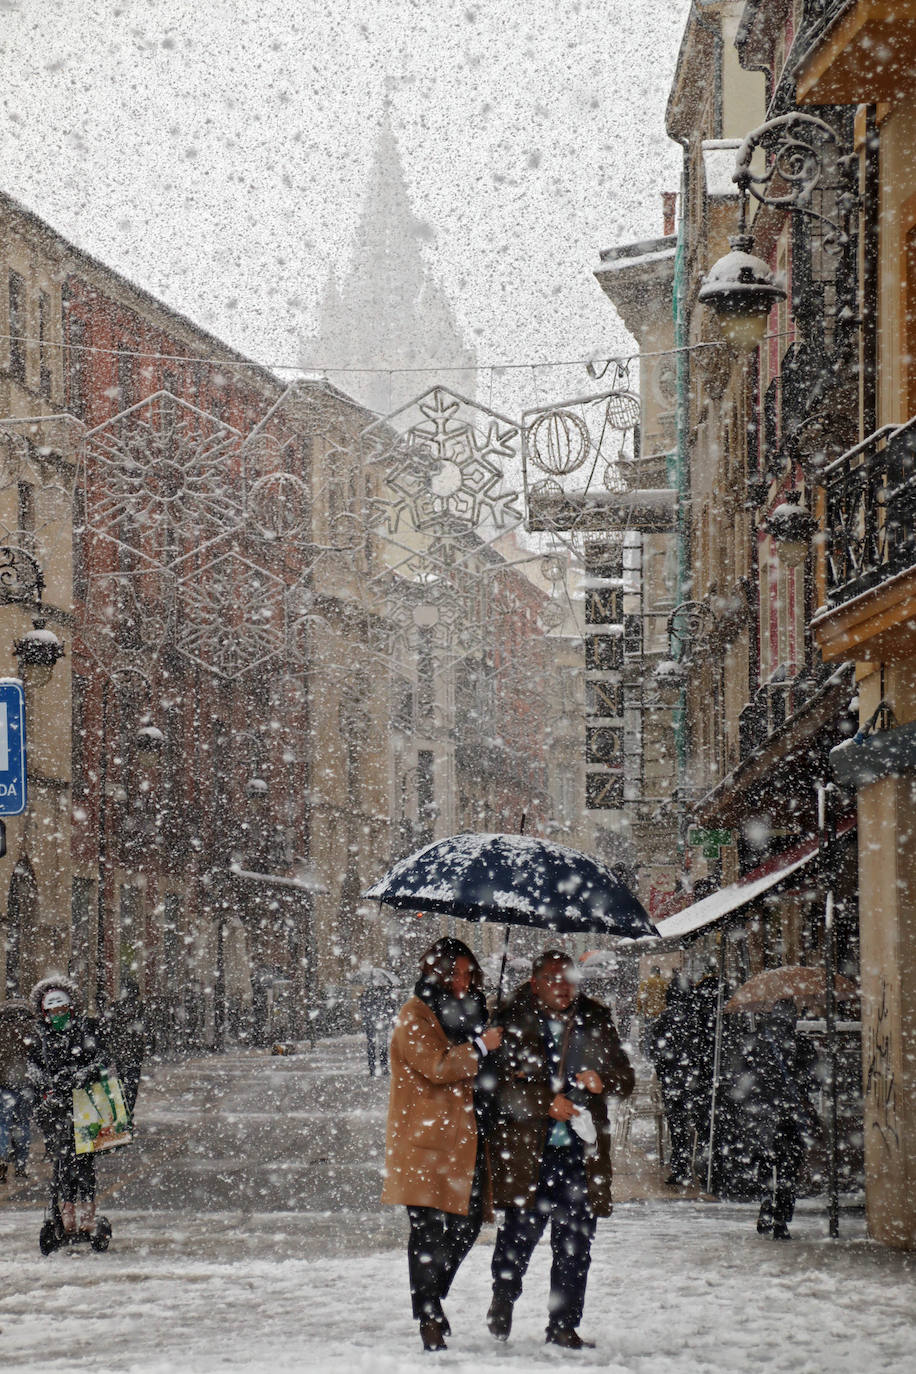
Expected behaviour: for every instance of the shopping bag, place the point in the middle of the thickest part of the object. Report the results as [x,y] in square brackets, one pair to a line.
[101,1120]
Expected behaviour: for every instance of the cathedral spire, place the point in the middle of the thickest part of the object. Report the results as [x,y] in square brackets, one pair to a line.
[390,313]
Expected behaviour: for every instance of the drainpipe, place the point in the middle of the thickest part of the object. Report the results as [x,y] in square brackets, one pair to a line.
[679,464]
[870,211]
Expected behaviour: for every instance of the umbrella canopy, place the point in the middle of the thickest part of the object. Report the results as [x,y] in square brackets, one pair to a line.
[598,963]
[807,987]
[374,977]
[515,880]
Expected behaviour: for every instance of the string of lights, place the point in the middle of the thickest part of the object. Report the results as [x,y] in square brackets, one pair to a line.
[622,360]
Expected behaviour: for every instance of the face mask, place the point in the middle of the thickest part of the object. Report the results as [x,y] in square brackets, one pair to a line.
[60,1021]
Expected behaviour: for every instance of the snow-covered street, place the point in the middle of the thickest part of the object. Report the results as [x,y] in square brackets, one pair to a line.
[257,1243]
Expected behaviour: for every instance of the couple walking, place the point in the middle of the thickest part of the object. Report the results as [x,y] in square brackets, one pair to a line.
[512,1116]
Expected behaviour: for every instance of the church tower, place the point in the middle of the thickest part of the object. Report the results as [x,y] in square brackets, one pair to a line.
[389,313]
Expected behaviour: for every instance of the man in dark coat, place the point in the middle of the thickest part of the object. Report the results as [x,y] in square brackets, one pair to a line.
[772,1088]
[550,1150]
[670,1049]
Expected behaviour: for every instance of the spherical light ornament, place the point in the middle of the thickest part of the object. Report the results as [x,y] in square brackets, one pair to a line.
[622,410]
[741,289]
[558,442]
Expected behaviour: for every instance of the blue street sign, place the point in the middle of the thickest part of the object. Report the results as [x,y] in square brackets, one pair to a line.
[13,784]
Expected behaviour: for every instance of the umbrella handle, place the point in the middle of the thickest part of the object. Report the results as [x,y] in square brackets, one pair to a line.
[502,966]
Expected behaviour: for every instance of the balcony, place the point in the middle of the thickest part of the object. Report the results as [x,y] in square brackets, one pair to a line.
[855,52]
[871,546]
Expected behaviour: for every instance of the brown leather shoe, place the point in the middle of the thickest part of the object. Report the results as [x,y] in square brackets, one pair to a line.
[567,1338]
[431,1334]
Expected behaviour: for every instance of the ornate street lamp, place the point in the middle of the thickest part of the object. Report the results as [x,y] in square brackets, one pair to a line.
[36,653]
[791,527]
[22,581]
[741,288]
[670,680]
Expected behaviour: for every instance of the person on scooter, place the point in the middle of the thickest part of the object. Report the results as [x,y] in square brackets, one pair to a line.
[66,1054]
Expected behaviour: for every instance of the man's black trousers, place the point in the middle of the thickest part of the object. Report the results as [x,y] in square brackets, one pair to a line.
[437,1244]
[787,1154]
[561,1199]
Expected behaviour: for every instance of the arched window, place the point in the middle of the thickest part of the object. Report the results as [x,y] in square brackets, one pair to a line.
[21,912]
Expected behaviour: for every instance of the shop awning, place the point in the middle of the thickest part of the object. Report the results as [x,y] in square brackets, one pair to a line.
[306,880]
[731,899]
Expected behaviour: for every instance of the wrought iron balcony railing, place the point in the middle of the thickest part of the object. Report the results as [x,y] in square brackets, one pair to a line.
[871,512]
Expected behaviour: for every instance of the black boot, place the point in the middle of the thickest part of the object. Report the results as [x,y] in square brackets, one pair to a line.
[567,1338]
[431,1333]
[499,1317]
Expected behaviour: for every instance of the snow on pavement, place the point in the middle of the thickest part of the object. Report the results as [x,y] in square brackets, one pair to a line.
[674,1287]
[248,1236]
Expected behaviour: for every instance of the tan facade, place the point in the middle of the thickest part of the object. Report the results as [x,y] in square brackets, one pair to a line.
[875,626]
[37,468]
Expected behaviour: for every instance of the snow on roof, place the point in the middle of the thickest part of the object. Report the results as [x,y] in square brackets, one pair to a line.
[719,164]
[622,264]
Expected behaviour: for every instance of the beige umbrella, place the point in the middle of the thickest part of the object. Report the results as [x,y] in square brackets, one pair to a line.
[807,987]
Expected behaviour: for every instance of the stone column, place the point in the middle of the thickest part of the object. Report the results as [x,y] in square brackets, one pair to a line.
[887,918]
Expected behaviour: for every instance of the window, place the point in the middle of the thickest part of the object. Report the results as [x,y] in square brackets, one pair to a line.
[25,494]
[425,787]
[17,326]
[131,935]
[44,329]
[425,670]
[76,367]
[81,906]
[125,380]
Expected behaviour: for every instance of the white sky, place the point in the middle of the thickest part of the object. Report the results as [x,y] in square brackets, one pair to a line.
[216,151]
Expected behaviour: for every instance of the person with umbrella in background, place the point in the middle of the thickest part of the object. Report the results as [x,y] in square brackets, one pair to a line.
[772,1089]
[550,1151]
[435,1160]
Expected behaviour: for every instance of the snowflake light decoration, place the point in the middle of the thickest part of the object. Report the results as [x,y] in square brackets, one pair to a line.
[231,615]
[159,478]
[447,459]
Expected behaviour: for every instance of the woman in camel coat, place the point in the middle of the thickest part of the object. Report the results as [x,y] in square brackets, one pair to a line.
[435,1162]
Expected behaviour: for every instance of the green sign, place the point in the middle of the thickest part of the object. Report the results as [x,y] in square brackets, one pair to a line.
[709,841]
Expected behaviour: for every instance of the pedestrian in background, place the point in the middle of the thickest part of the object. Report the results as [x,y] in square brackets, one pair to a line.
[550,1151]
[650,1003]
[122,1027]
[435,1160]
[772,1089]
[378,1009]
[17,1033]
[671,1051]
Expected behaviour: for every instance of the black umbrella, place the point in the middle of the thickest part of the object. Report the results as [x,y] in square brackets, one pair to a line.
[514,880]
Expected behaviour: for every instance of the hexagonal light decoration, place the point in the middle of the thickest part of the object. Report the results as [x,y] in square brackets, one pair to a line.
[231,615]
[162,478]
